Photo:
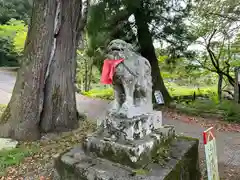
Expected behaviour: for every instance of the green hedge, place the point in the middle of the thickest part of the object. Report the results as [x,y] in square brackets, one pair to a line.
[174,90]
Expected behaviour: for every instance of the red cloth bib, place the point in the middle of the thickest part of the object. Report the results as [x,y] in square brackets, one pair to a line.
[108,70]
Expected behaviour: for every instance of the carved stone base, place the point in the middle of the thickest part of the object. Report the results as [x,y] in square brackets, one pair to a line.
[132,153]
[130,129]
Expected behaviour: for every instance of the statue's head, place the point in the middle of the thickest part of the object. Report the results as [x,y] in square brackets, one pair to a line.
[118,49]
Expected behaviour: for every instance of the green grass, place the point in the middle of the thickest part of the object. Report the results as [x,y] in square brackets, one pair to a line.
[227,110]
[176,90]
[11,157]
[106,93]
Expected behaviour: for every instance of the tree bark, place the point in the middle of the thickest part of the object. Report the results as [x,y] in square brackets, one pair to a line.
[237,85]
[43,98]
[148,51]
[220,81]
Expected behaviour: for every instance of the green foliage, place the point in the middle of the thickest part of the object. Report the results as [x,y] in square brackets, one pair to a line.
[12,39]
[19,40]
[114,22]
[17,9]
[214,24]
[87,72]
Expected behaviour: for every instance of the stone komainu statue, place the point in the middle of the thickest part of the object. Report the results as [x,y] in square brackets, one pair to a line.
[132,81]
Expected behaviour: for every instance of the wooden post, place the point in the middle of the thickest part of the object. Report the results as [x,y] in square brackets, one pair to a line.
[237,85]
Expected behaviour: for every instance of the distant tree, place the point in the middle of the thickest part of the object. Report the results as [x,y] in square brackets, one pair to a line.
[142,22]
[17,9]
[214,25]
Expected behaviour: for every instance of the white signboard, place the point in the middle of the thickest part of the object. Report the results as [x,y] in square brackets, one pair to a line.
[211,154]
[159,97]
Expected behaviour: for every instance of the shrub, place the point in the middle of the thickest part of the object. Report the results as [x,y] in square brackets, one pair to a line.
[12,39]
[228,110]
[231,111]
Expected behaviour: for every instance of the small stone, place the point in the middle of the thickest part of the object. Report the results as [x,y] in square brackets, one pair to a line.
[55,156]
[7,143]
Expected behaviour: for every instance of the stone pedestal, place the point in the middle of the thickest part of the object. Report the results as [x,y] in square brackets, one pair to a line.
[181,164]
[129,142]
[122,129]
[131,149]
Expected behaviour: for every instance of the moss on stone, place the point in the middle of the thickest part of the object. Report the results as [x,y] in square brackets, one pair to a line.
[188,138]
[140,172]
[67,171]
[118,155]
[183,152]
[162,153]
[188,167]
[159,154]
[4,113]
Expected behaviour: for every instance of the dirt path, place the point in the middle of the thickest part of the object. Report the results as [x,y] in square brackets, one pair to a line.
[228,143]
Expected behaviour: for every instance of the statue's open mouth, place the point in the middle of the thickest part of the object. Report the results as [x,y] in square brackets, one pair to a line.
[114,49]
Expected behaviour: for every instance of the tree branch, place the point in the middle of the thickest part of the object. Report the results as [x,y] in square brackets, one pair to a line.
[225,16]
[215,61]
[205,67]
[212,56]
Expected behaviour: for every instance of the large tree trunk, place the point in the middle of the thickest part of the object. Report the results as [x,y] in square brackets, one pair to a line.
[148,51]
[43,98]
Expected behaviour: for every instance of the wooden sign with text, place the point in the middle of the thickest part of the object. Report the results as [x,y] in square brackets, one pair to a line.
[209,140]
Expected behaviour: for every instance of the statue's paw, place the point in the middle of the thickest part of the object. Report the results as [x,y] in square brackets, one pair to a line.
[124,109]
[122,113]
[114,109]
